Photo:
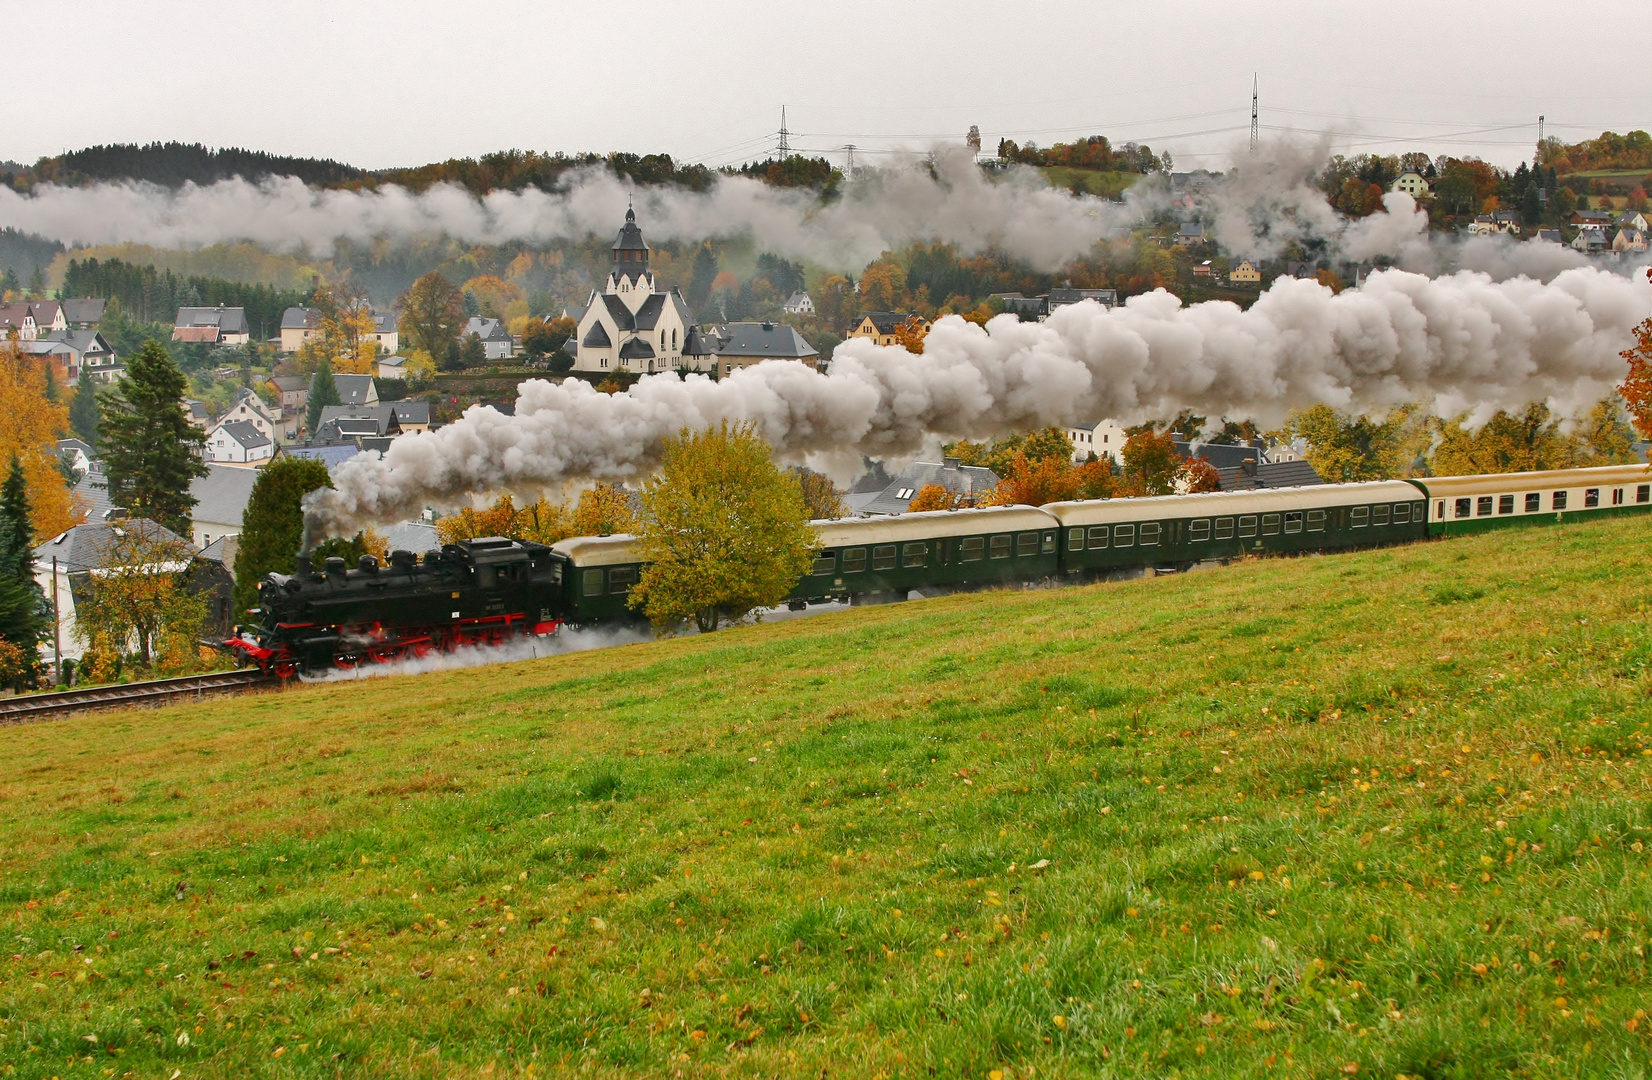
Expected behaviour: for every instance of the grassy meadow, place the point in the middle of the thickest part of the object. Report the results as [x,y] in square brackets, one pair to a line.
[1382,814]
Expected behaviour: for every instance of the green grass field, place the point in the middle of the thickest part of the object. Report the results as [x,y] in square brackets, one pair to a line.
[1379,814]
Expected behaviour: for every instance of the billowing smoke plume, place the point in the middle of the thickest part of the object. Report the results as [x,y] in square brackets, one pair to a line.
[944,197]
[1462,342]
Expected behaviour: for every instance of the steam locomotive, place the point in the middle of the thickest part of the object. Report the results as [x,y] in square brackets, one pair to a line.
[493,590]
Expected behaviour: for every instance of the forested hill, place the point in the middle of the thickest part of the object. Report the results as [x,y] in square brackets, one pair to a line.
[174,164]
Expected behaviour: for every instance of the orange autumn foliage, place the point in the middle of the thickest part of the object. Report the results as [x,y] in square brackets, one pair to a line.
[1636,387]
[30,426]
[931,497]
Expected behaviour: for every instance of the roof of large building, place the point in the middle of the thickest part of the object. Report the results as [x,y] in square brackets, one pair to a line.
[405,412]
[1282,474]
[81,341]
[228,320]
[87,547]
[300,318]
[630,234]
[330,456]
[636,349]
[597,337]
[765,340]
[243,432]
[957,478]
[412,536]
[885,322]
[222,551]
[221,496]
[1221,455]
[44,312]
[486,329]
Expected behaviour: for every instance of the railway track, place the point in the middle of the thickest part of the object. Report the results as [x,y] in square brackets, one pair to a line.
[23,709]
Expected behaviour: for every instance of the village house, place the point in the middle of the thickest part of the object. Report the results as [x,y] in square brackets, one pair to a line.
[1629,242]
[1191,234]
[1412,183]
[237,442]
[84,313]
[221,498]
[1103,438]
[271,421]
[1591,241]
[800,304]
[294,391]
[1591,219]
[1245,273]
[497,343]
[1632,219]
[631,325]
[212,325]
[84,350]
[881,326]
[727,347]
[355,391]
[31,319]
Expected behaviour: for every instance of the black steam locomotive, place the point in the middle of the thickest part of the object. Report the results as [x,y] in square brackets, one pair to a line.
[479,592]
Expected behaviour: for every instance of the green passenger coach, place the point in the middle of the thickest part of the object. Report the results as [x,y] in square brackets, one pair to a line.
[1463,504]
[597,575]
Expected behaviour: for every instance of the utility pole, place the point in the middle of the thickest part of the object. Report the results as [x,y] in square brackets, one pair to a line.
[1539,155]
[57,641]
[785,136]
[849,161]
[1253,125]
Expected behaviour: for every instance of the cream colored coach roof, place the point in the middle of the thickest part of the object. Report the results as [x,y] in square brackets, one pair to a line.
[927,524]
[599,550]
[1444,487]
[1213,503]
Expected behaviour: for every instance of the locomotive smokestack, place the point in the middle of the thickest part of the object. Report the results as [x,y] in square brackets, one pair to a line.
[302,567]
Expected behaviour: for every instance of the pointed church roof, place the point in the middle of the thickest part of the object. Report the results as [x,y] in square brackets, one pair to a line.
[630,235]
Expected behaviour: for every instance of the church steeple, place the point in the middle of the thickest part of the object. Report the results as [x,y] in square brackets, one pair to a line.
[630,250]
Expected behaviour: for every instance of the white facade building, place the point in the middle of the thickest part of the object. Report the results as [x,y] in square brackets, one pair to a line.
[631,325]
[1104,438]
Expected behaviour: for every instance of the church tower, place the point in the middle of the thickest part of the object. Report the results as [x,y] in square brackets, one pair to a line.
[630,271]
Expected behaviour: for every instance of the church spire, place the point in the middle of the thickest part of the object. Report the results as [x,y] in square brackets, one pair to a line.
[630,249]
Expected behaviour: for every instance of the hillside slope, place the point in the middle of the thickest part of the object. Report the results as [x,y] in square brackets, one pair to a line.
[1383,812]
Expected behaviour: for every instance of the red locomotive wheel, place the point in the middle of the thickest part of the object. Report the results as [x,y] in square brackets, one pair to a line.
[286,669]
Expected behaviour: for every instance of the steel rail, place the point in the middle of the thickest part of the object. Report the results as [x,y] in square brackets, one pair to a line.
[27,707]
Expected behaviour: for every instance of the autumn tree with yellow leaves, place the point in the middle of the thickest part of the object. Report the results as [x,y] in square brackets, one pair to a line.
[1636,387]
[30,425]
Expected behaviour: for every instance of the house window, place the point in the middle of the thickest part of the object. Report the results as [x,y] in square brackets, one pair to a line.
[883,557]
[905,493]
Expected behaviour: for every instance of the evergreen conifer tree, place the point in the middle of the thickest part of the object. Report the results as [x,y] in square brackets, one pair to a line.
[24,610]
[83,411]
[323,392]
[272,529]
[150,449]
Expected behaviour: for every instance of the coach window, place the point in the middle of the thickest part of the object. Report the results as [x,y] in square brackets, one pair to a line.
[1534,501]
[1439,510]
[1001,547]
[1026,544]
[1224,528]
[1316,521]
[1247,525]
[1199,530]
[1379,515]
[1402,513]
[1359,517]
[1270,524]
[1559,501]
[913,554]
[1591,497]
[1482,506]
[1048,547]
[854,560]
[1075,539]
[824,565]
[1617,496]
[592,583]
[1124,535]
[1465,507]
[621,578]
[972,549]
[1293,522]
[1150,534]
[1505,504]
[1643,493]
[1098,536]
[883,557]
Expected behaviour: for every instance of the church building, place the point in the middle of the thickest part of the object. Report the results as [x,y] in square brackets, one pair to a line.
[631,325]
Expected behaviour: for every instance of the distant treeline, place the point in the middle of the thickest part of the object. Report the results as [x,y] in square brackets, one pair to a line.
[1095,152]
[24,253]
[795,171]
[147,295]
[1610,151]
[175,164]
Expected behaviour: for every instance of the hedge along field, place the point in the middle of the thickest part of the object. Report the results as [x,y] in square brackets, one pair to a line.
[1374,814]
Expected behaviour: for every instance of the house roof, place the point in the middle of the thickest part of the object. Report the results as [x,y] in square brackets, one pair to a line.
[766,340]
[300,318]
[243,432]
[74,444]
[288,383]
[384,324]
[648,315]
[699,343]
[355,389]
[797,299]
[636,349]
[619,312]
[87,547]
[412,536]
[958,479]
[405,412]
[221,495]
[1222,456]
[44,312]
[222,551]
[81,341]
[188,334]
[885,322]
[84,309]
[91,493]
[228,320]
[576,312]
[1602,217]
[630,234]
[1105,297]
[392,361]
[1283,474]
[1191,228]
[330,456]
[486,329]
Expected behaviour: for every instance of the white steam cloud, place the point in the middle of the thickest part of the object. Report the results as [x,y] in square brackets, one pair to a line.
[946,197]
[1463,342]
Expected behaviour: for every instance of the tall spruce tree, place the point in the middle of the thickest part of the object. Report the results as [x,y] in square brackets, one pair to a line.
[150,449]
[83,411]
[323,392]
[272,529]
[24,610]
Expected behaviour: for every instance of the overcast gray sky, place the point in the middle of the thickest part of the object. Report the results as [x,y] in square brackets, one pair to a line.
[377,83]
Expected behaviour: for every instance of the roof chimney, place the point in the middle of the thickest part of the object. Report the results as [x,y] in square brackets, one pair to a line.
[952,462]
[1248,466]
